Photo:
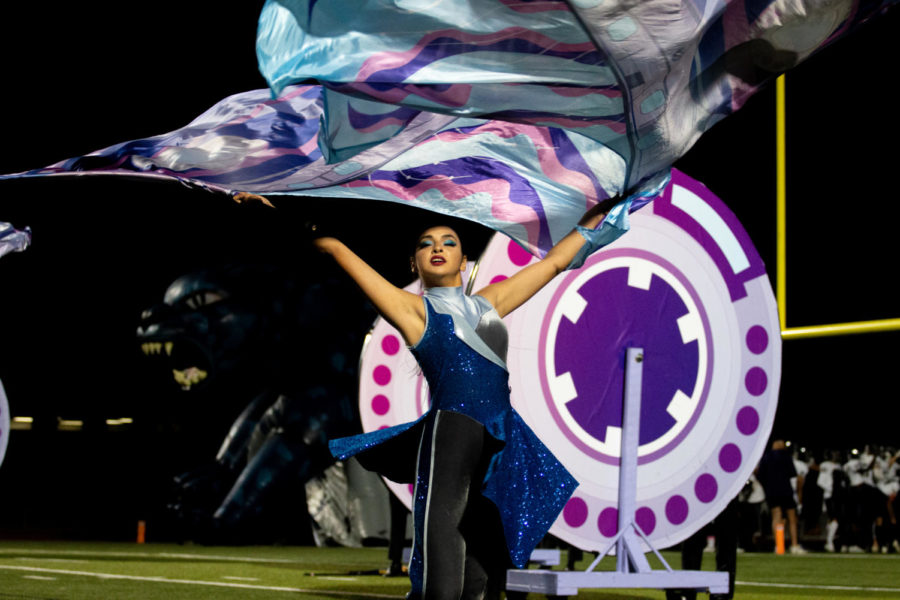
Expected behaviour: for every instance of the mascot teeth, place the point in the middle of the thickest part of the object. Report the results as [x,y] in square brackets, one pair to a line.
[188,377]
[149,348]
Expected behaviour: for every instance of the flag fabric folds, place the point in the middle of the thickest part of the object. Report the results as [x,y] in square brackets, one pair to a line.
[530,182]
[12,239]
[518,114]
[645,79]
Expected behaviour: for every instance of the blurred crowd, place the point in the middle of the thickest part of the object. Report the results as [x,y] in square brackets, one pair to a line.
[831,500]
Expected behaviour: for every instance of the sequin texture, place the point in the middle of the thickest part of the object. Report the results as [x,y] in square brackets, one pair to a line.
[524,480]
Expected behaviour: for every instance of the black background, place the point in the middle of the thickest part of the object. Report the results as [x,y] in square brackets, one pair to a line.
[82,76]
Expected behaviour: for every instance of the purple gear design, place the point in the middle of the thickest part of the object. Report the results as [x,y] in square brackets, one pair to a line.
[671,366]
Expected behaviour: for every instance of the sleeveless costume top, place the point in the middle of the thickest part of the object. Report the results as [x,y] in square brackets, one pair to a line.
[462,355]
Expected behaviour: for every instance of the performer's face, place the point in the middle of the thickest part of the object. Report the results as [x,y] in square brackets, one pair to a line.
[439,260]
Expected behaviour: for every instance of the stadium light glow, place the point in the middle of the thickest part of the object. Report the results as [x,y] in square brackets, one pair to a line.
[21,423]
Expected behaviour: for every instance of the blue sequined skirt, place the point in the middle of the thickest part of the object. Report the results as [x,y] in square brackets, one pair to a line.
[528,485]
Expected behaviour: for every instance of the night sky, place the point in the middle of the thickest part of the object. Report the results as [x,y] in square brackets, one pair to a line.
[82,76]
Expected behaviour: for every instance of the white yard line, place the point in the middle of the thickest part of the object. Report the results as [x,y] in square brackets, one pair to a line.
[58,560]
[813,586]
[221,557]
[182,555]
[835,555]
[245,586]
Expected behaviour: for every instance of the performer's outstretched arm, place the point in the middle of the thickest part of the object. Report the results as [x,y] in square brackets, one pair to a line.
[404,310]
[400,308]
[507,295]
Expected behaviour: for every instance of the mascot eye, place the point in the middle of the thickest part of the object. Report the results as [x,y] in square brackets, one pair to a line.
[198,299]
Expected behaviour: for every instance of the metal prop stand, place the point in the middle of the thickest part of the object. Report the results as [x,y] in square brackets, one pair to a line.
[632,568]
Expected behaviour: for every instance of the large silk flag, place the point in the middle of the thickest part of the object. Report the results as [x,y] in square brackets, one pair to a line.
[529,182]
[515,114]
[644,79]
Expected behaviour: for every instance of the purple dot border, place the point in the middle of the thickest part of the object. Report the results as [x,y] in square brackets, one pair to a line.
[749,343]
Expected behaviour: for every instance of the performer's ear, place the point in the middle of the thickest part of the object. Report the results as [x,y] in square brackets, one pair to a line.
[412,265]
[462,264]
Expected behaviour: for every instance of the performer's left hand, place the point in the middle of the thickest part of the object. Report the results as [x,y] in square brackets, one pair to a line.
[247,197]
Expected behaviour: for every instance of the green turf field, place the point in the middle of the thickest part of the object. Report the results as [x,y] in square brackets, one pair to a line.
[113,571]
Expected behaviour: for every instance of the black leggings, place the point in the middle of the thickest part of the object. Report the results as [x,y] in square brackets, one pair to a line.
[464,553]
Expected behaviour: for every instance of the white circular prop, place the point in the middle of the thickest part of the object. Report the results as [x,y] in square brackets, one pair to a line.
[687,286]
[4,423]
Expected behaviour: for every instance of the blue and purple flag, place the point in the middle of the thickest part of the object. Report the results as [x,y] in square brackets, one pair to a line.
[528,181]
[644,79]
[519,115]
[13,240]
